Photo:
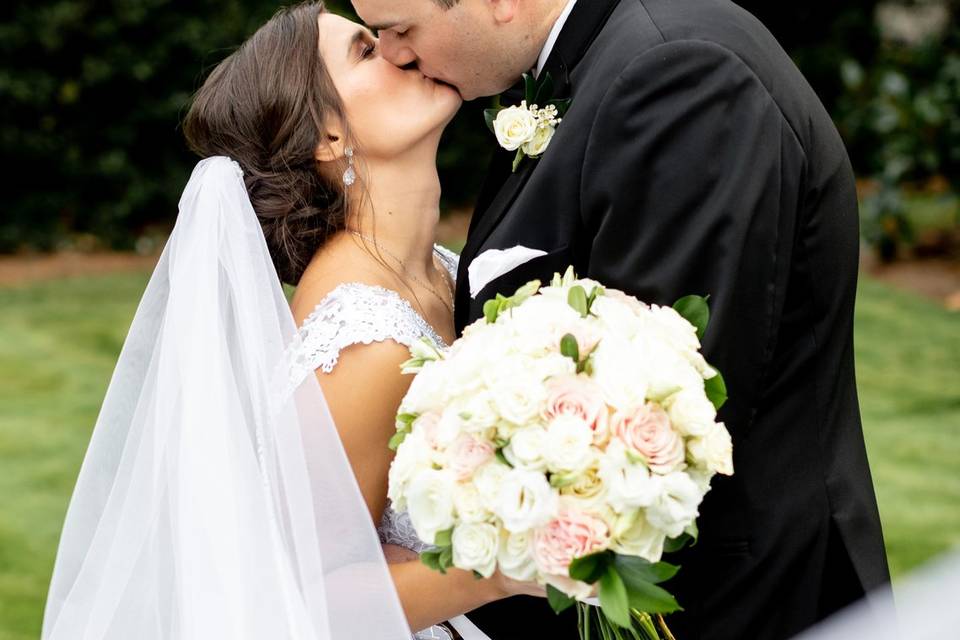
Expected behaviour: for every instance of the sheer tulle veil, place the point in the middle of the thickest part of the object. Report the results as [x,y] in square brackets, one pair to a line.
[215,499]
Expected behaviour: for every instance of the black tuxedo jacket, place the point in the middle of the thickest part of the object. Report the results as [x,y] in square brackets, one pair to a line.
[695,159]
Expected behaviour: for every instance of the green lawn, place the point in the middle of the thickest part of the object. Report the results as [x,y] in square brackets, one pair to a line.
[60,339]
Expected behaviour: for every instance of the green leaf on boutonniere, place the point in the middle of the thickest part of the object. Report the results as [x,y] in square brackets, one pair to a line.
[562,104]
[544,91]
[559,601]
[489,115]
[529,88]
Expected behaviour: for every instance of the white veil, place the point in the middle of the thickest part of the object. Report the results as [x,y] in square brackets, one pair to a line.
[210,504]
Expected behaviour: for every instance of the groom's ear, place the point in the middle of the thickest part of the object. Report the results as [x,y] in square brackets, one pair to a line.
[504,11]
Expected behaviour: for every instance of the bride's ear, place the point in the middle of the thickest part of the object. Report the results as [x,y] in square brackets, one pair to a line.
[332,145]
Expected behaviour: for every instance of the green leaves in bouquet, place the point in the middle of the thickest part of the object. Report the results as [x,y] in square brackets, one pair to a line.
[696,311]
[404,427]
[559,601]
[614,599]
[716,390]
[591,568]
[493,308]
[582,303]
[438,559]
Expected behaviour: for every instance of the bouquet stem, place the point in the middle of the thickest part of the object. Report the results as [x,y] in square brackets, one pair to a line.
[593,625]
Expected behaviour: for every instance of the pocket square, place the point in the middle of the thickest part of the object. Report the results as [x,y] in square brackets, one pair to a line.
[493,263]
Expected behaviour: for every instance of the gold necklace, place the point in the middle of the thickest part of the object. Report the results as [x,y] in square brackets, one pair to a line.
[446,281]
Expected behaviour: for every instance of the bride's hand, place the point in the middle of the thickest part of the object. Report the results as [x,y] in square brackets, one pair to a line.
[510,587]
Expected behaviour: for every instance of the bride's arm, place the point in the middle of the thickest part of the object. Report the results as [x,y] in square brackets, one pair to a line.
[363,392]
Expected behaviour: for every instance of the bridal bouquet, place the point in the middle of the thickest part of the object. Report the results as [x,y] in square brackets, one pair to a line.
[567,438]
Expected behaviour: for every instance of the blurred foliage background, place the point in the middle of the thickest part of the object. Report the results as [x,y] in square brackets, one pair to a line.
[92,93]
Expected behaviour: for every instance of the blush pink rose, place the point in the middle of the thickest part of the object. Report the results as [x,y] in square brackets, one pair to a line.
[467,454]
[572,534]
[429,423]
[646,431]
[581,398]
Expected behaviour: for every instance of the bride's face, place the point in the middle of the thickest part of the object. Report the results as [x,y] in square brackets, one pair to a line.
[390,110]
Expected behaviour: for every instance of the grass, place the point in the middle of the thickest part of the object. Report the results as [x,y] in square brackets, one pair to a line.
[61,338]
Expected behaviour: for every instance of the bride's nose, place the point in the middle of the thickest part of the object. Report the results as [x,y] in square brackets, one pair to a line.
[394,51]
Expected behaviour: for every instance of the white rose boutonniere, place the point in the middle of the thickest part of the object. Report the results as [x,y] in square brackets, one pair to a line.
[528,128]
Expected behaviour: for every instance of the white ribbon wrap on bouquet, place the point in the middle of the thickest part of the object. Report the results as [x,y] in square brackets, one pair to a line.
[208,506]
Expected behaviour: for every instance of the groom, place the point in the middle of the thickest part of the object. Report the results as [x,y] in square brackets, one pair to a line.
[694,159]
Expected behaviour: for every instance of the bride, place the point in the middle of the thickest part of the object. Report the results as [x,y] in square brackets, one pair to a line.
[216,498]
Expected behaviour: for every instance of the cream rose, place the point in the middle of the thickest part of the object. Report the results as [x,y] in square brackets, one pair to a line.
[572,534]
[634,536]
[430,503]
[588,490]
[516,556]
[645,430]
[488,479]
[714,450]
[515,126]
[525,501]
[467,454]
[540,140]
[691,413]
[580,397]
[475,546]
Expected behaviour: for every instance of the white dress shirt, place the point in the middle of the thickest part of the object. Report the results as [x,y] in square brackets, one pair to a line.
[552,38]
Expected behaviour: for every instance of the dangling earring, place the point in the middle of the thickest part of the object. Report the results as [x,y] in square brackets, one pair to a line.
[349,176]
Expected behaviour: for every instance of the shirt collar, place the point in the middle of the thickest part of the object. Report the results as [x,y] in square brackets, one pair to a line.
[552,38]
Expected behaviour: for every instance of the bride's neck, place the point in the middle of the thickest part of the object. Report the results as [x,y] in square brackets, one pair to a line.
[399,206]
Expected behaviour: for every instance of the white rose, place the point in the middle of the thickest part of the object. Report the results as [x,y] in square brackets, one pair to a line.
[714,450]
[691,413]
[447,429]
[477,412]
[488,479]
[526,501]
[526,448]
[413,456]
[676,508]
[619,372]
[515,558]
[427,390]
[517,389]
[617,315]
[475,546]
[430,503]
[629,484]
[665,369]
[567,447]
[540,140]
[469,504]
[634,536]
[587,491]
[515,126]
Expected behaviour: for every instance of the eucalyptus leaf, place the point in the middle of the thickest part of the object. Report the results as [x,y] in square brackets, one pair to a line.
[570,348]
[431,559]
[716,390]
[696,311]
[577,298]
[491,309]
[490,115]
[446,559]
[613,598]
[397,439]
[559,601]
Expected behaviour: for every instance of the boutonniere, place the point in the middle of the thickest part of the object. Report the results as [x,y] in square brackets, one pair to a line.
[528,128]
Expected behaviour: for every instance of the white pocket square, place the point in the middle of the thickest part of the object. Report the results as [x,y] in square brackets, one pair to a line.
[493,263]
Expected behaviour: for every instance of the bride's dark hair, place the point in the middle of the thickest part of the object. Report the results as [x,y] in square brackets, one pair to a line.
[265,106]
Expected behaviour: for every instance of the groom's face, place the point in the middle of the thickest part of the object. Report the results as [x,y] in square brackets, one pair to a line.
[457,44]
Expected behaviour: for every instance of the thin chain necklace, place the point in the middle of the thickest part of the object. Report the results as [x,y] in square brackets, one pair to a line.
[423,284]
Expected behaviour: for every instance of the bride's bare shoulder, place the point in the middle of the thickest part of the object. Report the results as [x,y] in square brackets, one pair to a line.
[337,263]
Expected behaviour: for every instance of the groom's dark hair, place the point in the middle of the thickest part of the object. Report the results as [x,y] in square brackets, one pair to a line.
[266,106]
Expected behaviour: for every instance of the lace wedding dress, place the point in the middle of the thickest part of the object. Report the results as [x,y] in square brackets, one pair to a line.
[357,313]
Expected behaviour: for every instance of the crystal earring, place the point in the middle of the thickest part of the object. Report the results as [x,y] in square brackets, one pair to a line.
[349,176]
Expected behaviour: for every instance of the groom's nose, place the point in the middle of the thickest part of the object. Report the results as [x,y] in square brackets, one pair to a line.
[395,51]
